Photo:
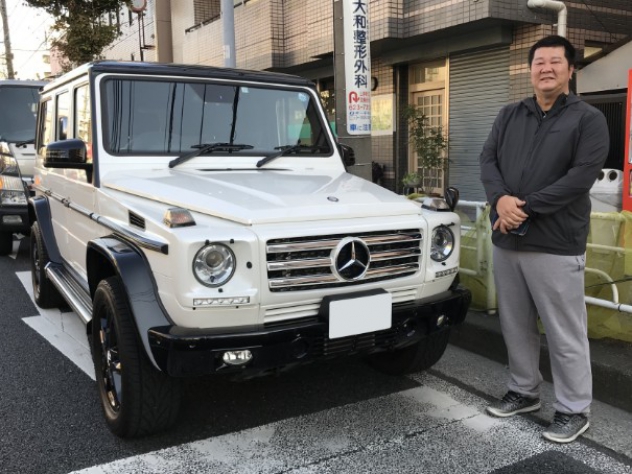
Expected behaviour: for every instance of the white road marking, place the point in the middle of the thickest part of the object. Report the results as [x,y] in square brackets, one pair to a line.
[16,246]
[301,441]
[65,331]
[417,430]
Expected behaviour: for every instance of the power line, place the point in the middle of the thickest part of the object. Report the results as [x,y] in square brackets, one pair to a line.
[39,48]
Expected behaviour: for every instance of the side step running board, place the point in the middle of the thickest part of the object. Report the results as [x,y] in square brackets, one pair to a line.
[75,296]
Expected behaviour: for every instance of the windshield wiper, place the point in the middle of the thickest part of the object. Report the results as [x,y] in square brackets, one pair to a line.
[208,148]
[25,142]
[287,149]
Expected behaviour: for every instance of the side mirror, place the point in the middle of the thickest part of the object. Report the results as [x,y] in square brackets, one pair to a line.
[451,197]
[70,153]
[348,155]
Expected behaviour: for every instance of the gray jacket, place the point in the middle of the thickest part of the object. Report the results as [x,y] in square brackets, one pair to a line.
[551,163]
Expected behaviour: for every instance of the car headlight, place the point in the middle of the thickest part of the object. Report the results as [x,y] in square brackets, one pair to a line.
[214,265]
[12,191]
[442,243]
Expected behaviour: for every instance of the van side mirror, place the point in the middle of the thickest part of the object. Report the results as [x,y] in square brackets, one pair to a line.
[451,197]
[348,155]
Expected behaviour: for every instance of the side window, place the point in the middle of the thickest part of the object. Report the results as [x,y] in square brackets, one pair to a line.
[83,118]
[63,110]
[46,126]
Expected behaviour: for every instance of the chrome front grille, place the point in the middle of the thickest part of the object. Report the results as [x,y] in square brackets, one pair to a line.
[305,263]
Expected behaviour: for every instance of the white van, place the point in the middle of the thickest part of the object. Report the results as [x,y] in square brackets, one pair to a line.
[18,112]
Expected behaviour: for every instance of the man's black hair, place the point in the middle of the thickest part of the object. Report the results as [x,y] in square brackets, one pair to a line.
[551,42]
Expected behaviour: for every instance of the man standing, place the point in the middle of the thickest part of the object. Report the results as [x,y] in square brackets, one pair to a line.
[537,166]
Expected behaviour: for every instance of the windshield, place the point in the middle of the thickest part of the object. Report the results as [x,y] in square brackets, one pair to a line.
[168,117]
[18,113]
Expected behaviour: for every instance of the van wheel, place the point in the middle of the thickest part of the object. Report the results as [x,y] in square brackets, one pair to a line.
[415,358]
[6,243]
[44,292]
[136,398]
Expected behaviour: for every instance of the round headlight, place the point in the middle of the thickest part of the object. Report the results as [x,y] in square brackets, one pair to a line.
[214,265]
[442,243]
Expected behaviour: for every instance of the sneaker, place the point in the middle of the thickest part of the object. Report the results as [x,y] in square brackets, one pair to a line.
[566,427]
[512,404]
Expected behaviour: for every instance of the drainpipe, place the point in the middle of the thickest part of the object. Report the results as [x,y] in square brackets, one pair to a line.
[556,6]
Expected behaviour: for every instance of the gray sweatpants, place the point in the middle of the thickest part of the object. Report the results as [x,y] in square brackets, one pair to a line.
[529,284]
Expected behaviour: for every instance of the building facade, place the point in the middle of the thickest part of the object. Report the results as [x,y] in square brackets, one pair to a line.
[460,60]
[144,33]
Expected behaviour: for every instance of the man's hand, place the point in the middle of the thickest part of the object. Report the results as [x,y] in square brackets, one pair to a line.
[510,213]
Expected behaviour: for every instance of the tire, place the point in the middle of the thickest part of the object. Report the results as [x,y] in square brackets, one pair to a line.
[418,357]
[6,243]
[136,398]
[44,292]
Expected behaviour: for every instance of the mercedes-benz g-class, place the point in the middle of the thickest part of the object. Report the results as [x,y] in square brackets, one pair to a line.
[201,221]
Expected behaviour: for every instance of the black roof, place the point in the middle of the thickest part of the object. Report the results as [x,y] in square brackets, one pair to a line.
[134,67]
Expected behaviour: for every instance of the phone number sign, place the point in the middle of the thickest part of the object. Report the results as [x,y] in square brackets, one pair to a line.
[357,66]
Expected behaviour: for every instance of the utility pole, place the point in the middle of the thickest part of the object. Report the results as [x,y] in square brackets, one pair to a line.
[228,26]
[7,39]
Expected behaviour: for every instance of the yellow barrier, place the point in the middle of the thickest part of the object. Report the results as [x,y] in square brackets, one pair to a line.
[608,270]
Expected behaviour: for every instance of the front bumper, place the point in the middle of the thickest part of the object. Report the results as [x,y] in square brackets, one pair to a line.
[184,352]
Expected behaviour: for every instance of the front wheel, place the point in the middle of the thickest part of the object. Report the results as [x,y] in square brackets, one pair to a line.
[6,243]
[136,398]
[415,358]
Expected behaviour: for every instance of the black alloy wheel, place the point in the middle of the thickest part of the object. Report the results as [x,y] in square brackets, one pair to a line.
[137,399]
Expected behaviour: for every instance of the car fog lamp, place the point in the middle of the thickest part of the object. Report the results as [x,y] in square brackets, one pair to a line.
[237,357]
[214,265]
[178,217]
[441,244]
[441,320]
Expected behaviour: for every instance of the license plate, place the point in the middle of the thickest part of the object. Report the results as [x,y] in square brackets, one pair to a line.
[351,316]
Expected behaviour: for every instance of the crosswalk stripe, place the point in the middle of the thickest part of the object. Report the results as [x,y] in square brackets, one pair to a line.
[64,331]
[417,430]
[16,246]
[304,440]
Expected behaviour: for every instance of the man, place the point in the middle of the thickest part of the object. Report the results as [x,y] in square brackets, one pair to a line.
[537,166]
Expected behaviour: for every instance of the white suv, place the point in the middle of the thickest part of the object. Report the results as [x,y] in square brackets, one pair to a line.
[201,221]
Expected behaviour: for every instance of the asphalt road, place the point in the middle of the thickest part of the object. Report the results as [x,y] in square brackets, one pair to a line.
[333,417]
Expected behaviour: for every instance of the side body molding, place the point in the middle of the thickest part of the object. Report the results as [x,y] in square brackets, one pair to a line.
[133,269]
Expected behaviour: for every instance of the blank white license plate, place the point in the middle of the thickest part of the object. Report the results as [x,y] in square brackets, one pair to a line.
[360,315]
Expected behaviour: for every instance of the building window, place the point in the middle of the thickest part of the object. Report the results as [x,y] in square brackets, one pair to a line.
[427,92]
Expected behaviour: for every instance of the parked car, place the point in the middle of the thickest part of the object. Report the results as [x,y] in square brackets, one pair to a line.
[18,112]
[201,221]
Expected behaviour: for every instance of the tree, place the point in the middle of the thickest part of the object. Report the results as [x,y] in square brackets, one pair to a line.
[84,34]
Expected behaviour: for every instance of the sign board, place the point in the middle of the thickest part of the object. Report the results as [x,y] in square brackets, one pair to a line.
[627,161]
[382,114]
[357,66]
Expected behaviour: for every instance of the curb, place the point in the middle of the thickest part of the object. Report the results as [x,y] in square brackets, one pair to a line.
[611,359]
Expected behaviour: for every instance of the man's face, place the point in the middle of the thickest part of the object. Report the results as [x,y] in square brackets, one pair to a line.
[550,72]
